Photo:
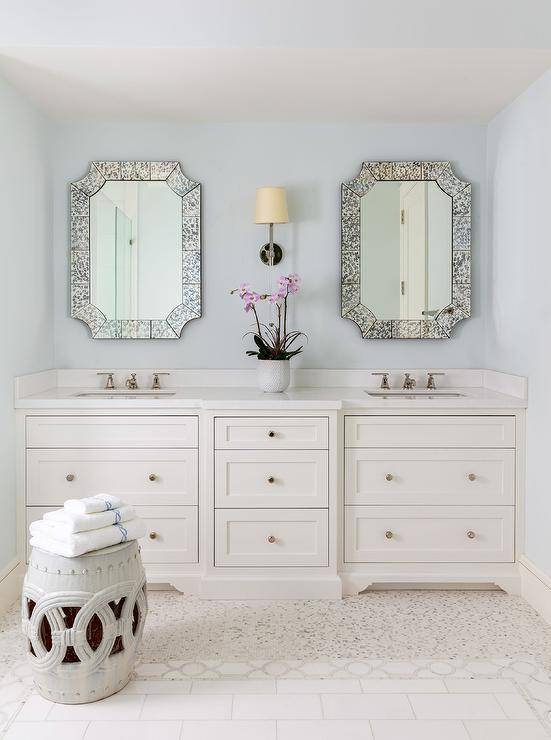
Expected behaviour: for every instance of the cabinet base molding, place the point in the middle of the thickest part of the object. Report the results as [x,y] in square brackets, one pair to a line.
[214,587]
[536,588]
[507,578]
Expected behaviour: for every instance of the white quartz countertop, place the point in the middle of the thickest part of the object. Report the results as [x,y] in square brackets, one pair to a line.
[238,398]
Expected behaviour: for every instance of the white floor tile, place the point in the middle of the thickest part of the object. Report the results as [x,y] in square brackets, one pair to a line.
[456,706]
[280,706]
[505,730]
[318,686]
[186,707]
[405,729]
[117,707]
[229,730]
[366,706]
[229,686]
[157,730]
[480,686]
[47,731]
[324,729]
[157,687]
[515,706]
[35,709]
[403,685]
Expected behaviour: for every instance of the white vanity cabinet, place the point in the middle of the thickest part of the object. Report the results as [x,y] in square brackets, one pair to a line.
[271,491]
[420,489]
[308,494]
[151,462]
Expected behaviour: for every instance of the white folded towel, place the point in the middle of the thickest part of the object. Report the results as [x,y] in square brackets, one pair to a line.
[67,522]
[64,524]
[93,504]
[82,542]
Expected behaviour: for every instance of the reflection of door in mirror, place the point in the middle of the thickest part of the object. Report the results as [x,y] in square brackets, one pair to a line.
[406,250]
[413,250]
[135,250]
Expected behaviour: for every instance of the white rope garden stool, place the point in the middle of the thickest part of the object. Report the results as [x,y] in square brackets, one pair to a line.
[83,618]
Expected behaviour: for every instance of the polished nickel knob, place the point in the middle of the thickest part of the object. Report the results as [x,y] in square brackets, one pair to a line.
[471,476]
[153,535]
[389,535]
[69,477]
[271,434]
[271,479]
[389,476]
[271,539]
[471,535]
[152,477]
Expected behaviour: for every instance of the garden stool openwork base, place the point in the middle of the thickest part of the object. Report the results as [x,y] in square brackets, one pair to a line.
[83,618]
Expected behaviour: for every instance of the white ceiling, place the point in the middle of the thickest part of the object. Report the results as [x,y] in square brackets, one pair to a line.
[284,60]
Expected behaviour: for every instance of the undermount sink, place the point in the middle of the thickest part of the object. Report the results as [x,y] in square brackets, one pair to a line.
[125,394]
[415,394]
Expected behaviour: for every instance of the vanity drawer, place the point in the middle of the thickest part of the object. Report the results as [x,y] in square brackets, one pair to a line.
[429,534]
[437,476]
[175,530]
[112,431]
[430,431]
[137,476]
[271,433]
[171,534]
[271,537]
[272,479]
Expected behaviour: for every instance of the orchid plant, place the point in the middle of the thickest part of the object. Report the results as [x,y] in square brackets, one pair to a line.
[272,340]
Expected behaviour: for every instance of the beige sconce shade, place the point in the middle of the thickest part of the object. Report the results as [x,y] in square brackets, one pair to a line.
[271,206]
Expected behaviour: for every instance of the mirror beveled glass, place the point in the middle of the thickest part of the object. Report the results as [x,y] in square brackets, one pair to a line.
[406,250]
[135,250]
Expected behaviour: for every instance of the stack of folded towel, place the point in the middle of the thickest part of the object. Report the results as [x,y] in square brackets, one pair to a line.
[86,524]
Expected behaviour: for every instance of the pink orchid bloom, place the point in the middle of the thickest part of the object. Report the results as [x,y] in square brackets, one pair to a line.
[243,289]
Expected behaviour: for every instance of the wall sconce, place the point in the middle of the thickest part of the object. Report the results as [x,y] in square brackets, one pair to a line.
[271,208]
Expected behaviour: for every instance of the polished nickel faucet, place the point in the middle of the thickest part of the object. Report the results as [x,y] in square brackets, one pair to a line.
[409,383]
[132,383]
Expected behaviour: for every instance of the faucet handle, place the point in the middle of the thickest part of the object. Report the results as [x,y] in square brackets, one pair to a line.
[156,385]
[431,385]
[109,383]
[384,382]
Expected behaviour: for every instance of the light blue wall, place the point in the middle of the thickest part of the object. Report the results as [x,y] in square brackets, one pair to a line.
[518,283]
[26,292]
[231,160]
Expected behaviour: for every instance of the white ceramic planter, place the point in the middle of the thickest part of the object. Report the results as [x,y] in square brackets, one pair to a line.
[273,376]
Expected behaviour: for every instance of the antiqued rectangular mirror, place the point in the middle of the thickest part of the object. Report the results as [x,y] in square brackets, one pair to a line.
[406,241]
[135,250]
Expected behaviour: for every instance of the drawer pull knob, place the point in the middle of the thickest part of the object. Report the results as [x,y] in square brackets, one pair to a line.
[389,476]
[471,535]
[153,535]
[271,539]
[152,477]
[271,479]
[70,477]
[389,535]
[471,476]
[271,433]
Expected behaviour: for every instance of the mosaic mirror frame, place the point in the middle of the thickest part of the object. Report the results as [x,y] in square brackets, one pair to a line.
[351,306]
[190,306]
